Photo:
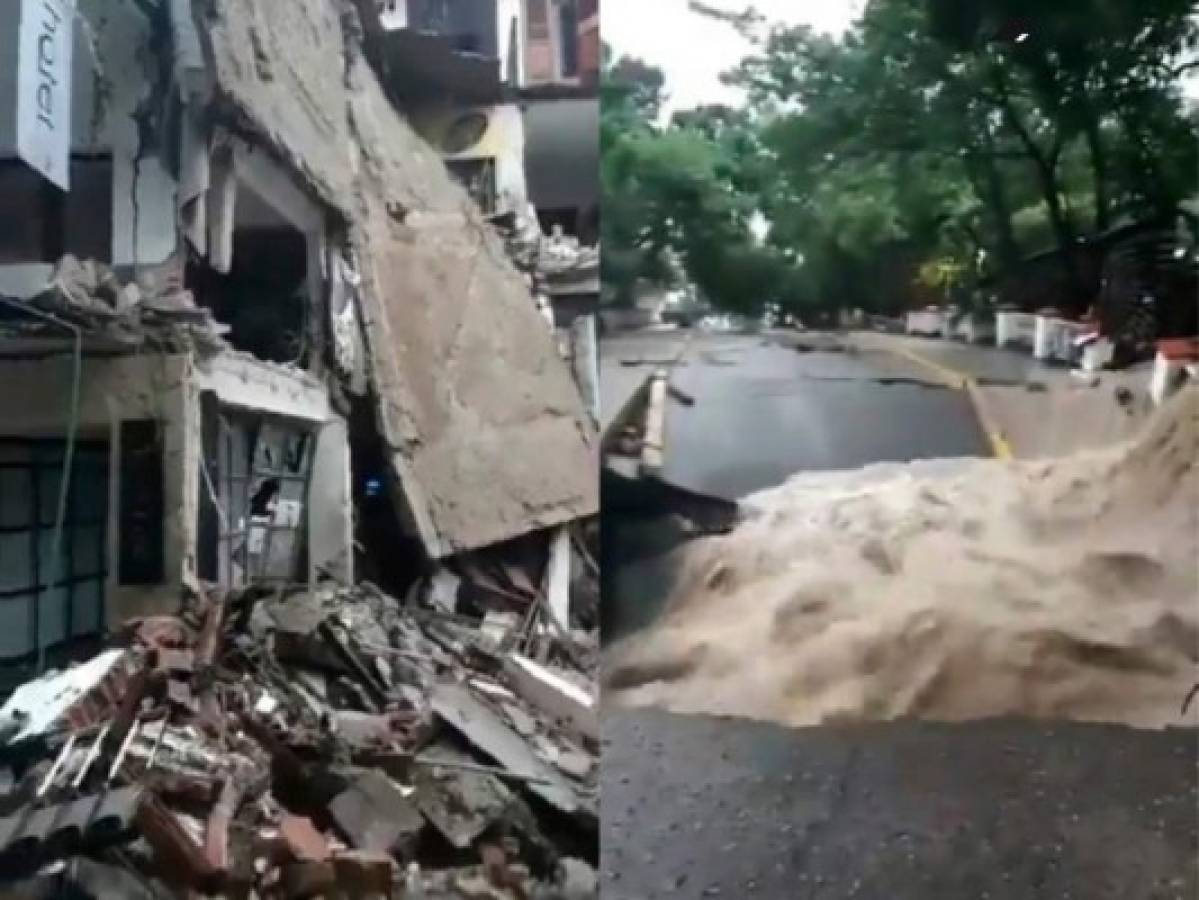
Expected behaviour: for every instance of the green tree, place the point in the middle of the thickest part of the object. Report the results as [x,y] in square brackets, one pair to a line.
[933,137]
[679,191]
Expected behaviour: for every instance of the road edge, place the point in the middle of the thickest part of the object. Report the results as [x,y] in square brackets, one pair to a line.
[653,447]
[653,444]
[1001,448]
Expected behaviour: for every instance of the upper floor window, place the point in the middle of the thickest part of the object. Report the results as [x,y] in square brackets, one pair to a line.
[51,223]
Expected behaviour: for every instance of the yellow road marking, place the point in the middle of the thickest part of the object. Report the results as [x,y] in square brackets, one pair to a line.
[960,381]
[952,377]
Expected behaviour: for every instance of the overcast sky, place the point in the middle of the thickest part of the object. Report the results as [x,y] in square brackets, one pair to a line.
[692,50]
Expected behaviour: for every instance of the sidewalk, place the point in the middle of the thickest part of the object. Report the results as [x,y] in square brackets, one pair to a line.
[1028,409]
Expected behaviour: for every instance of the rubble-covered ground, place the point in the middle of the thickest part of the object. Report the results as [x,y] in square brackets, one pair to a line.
[281,742]
[1062,588]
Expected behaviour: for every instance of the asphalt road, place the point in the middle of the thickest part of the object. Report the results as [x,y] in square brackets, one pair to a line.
[764,411]
[986,363]
[696,807]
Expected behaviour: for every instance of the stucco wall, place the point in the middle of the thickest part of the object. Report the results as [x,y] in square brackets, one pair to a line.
[287,74]
[488,432]
[330,505]
[486,420]
[34,403]
[112,75]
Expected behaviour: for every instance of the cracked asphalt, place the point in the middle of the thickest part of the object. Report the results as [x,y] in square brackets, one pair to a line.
[701,807]
[764,411]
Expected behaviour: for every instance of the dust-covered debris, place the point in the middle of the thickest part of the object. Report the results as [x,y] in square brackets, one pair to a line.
[1060,588]
[285,740]
[154,314]
[552,263]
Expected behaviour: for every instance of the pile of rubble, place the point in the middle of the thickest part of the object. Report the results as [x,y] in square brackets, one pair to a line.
[551,262]
[334,742]
[157,313]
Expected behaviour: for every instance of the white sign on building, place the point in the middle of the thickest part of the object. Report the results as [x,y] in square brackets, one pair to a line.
[44,87]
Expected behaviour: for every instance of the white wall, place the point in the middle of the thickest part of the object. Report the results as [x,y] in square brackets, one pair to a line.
[241,380]
[110,80]
[508,124]
[503,141]
[925,321]
[330,504]
[1013,327]
[396,16]
[506,11]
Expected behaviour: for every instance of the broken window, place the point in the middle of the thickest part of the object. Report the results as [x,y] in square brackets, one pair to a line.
[538,24]
[256,484]
[469,25]
[539,59]
[67,604]
[51,222]
[568,49]
[264,296]
[141,503]
[478,177]
[569,219]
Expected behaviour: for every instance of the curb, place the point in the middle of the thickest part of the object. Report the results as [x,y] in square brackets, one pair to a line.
[650,396]
[653,446]
[1001,448]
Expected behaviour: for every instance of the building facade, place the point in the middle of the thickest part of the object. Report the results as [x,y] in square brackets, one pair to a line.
[238,273]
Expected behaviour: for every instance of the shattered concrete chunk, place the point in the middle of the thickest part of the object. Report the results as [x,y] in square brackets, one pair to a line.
[486,730]
[459,803]
[553,694]
[375,815]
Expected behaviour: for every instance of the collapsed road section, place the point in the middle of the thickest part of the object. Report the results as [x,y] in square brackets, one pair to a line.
[1061,588]
[273,322]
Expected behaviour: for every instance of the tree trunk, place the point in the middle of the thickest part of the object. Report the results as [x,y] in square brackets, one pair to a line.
[1098,170]
[994,197]
[1045,165]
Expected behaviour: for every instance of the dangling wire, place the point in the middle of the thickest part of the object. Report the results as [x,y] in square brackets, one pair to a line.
[68,465]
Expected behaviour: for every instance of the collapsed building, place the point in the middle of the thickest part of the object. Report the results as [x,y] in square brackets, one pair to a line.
[265,357]
[508,92]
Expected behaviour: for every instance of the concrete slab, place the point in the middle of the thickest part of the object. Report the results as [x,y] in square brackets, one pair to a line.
[487,432]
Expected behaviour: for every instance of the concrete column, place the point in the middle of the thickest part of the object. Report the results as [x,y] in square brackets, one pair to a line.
[585,359]
[1040,340]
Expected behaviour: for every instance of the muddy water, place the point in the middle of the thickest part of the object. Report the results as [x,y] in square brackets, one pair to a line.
[1064,588]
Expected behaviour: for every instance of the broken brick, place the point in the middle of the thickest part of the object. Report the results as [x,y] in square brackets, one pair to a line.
[305,843]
